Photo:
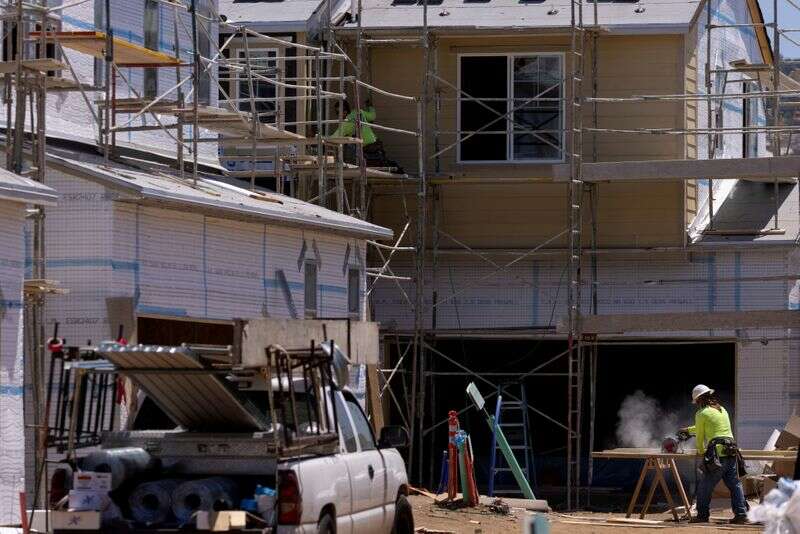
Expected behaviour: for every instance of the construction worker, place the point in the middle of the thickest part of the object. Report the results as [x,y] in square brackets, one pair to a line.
[374,152]
[348,126]
[721,456]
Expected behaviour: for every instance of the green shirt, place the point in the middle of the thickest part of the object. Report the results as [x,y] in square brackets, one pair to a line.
[710,423]
[348,127]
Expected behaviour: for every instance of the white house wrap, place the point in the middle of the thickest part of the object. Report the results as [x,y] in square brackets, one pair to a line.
[15,193]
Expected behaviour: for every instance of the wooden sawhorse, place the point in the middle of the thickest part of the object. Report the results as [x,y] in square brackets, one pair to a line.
[658,465]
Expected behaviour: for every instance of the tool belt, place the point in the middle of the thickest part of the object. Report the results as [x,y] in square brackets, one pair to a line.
[711,461]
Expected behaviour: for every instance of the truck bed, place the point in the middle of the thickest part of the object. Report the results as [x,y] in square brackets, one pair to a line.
[197,453]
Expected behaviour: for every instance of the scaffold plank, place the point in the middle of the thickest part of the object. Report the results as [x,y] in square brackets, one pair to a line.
[349,170]
[135,105]
[93,43]
[783,168]
[38,65]
[235,123]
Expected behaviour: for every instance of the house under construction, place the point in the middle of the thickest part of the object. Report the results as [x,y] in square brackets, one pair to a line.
[606,206]
[587,198]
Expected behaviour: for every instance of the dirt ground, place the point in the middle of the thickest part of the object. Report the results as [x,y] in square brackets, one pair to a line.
[435,519]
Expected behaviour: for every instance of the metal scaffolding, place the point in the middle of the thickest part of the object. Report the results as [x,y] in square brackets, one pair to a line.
[307,162]
[416,349]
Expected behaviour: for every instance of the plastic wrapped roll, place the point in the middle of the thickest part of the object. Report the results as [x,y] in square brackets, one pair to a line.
[207,494]
[151,502]
[122,463]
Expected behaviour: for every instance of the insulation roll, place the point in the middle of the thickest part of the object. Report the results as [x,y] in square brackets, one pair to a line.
[151,502]
[207,494]
[122,463]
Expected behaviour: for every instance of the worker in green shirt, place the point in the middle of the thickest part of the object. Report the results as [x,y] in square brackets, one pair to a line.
[373,150]
[347,128]
[721,457]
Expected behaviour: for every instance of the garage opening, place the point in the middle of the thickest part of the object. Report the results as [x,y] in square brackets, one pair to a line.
[660,372]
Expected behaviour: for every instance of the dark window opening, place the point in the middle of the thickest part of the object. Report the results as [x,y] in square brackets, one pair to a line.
[151,42]
[348,434]
[510,108]
[750,120]
[311,290]
[354,292]
[263,64]
[363,428]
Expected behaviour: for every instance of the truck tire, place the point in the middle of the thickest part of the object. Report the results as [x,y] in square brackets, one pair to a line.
[403,517]
[326,525]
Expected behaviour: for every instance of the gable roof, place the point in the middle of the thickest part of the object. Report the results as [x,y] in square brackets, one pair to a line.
[18,188]
[213,197]
[270,15]
[652,17]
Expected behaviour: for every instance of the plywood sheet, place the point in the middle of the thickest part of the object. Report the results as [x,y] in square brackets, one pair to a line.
[298,333]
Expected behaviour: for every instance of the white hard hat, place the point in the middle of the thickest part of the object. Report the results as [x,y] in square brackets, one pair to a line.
[700,389]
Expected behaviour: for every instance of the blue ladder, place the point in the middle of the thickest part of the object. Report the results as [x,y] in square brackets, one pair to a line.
[512,416]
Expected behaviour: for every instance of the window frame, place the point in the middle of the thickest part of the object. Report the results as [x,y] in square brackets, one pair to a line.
[349,398]
[341,405]
[510,160]
[750,115]
[150,74]
[309,313]
[359,305]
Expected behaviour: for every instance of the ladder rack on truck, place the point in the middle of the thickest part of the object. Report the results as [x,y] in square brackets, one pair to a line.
[232,417]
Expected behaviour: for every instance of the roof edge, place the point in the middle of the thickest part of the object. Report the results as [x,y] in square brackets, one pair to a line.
[40,194]
[146,195]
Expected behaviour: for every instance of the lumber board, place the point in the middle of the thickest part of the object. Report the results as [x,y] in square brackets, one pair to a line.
[643,454]
[604,524]
[785,168]
[632,521]
[373,394]
[689,321]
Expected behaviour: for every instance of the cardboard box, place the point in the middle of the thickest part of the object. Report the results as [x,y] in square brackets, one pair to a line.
[221,521]
[786,440]
[91,480]
[793,426]
[60,520]
[86,500]
[783,468]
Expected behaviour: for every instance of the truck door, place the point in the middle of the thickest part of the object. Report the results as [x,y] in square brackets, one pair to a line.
[368,473]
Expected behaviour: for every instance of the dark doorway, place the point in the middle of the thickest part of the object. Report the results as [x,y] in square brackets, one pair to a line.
[664,371]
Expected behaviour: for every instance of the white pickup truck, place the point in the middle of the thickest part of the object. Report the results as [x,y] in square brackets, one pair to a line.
[361,489]
[208,437]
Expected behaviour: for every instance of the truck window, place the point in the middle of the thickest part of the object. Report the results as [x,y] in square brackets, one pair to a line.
[363,428]
[348,435]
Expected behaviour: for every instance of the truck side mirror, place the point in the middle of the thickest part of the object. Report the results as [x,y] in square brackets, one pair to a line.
[393,437]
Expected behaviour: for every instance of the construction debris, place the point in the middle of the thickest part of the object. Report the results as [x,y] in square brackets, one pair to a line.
[499,507]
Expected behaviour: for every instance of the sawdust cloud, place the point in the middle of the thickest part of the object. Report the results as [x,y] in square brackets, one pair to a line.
[643,422]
